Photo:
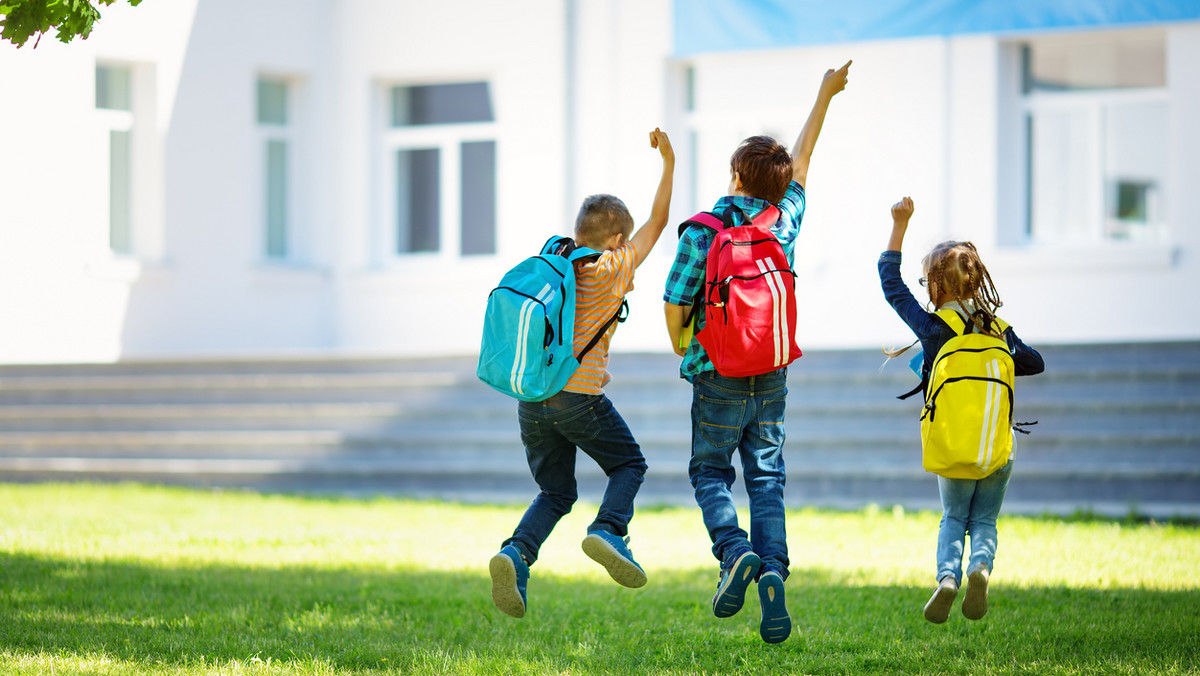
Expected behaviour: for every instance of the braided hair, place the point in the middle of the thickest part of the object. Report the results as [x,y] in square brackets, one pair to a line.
[959,273]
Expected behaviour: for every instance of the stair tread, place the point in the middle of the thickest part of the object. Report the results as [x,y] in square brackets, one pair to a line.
[1115,420]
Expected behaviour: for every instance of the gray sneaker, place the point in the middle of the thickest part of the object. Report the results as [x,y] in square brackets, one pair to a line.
[937,609]
[974,605]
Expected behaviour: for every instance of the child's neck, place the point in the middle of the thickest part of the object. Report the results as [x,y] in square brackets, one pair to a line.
[959,302]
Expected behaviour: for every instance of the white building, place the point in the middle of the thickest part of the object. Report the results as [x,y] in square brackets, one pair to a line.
[270,177]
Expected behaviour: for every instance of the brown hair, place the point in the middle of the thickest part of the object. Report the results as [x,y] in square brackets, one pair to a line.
[959,273]
[764,167]
[600,217]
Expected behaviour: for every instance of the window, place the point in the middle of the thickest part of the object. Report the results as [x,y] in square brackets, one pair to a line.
[114,103]
[440,165]
[276,141]
[1096,112]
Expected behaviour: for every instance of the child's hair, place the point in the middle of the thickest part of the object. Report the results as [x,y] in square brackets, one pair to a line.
[764,167]
[960,274]
[600,217]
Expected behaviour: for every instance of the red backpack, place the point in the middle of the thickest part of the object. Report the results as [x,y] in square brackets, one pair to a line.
[749,297]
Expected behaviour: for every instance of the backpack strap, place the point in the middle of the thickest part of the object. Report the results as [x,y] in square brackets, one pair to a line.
[766,217]
[568,249]
[919,388]
[960,324]
[705,219]
[621,315]
[580,253]
[957,324]
[724,221]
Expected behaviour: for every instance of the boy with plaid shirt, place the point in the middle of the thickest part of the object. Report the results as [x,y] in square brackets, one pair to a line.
[745,414]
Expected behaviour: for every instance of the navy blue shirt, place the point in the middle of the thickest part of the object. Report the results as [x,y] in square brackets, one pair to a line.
[932,331]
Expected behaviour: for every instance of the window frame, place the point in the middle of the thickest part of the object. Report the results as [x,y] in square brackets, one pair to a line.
[287,133]
[110,121]
[448,140]
[1093,104]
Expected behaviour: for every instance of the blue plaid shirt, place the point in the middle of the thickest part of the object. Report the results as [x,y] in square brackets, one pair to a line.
[686,277]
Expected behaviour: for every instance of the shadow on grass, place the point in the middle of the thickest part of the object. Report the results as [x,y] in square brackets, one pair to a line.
[425,622]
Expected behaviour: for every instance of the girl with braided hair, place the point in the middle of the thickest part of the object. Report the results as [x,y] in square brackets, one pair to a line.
[956,278]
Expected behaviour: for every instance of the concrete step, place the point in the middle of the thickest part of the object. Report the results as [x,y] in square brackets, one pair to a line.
[1119,426]
[850,418]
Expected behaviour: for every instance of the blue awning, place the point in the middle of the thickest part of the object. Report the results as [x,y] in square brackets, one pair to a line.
[703,26]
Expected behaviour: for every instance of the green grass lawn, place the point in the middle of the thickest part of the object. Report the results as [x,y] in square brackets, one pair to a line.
[143,580]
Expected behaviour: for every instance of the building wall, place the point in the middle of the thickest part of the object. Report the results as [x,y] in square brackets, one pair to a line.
[575,88]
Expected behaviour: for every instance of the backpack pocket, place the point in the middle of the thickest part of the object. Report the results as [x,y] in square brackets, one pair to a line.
[966,427]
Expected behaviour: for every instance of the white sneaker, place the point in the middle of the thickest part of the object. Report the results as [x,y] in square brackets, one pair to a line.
[974,605]
[937,609]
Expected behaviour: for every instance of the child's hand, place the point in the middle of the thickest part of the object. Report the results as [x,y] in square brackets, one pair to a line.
[836,80]
[658,139]
[902,210]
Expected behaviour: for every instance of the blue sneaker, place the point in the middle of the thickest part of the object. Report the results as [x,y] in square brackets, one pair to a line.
[613,553]
[776,624]
[731,591]
[509,577]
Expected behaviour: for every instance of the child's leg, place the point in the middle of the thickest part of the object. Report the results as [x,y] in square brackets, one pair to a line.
[718,415]
[601,432]
[551,459]
[985,508]
[764,472]
[956,495]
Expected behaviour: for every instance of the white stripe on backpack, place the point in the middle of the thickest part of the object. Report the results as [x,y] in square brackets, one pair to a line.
[780,325]
[991,415]
[524,326]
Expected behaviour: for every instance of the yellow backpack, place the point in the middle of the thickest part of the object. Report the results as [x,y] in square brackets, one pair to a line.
[966,426]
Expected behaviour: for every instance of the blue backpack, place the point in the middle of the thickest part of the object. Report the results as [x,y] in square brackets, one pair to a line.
[528,345]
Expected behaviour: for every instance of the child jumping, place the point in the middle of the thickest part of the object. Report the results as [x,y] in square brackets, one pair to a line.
[744,415]
[956,279]
[581,416]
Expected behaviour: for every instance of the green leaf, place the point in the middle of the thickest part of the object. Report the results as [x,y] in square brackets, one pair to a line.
[72,18]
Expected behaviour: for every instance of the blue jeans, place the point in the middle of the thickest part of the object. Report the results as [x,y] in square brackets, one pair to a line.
[743,415]
[969,506]
[552,430]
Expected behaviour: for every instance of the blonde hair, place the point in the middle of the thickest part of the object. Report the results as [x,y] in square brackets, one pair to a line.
[959,274]
[600,217]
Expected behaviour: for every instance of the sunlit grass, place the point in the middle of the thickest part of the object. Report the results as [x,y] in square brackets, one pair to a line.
[139,580]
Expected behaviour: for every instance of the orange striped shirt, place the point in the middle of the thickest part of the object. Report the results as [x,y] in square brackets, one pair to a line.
[600,287]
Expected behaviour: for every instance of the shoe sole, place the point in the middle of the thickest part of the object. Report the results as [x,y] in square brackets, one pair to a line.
[732,592]
[975,604]
[938,607]
[776,624]
[505,594]
[625,572]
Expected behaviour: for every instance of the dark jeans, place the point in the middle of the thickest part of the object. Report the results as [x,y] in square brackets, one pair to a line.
[742,415]
[552,430]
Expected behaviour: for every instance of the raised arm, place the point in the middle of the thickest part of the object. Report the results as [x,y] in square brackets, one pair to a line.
[833,82]
[646,236]
[901,212]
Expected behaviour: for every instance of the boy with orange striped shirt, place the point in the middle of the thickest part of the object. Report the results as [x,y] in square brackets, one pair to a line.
[581,416]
